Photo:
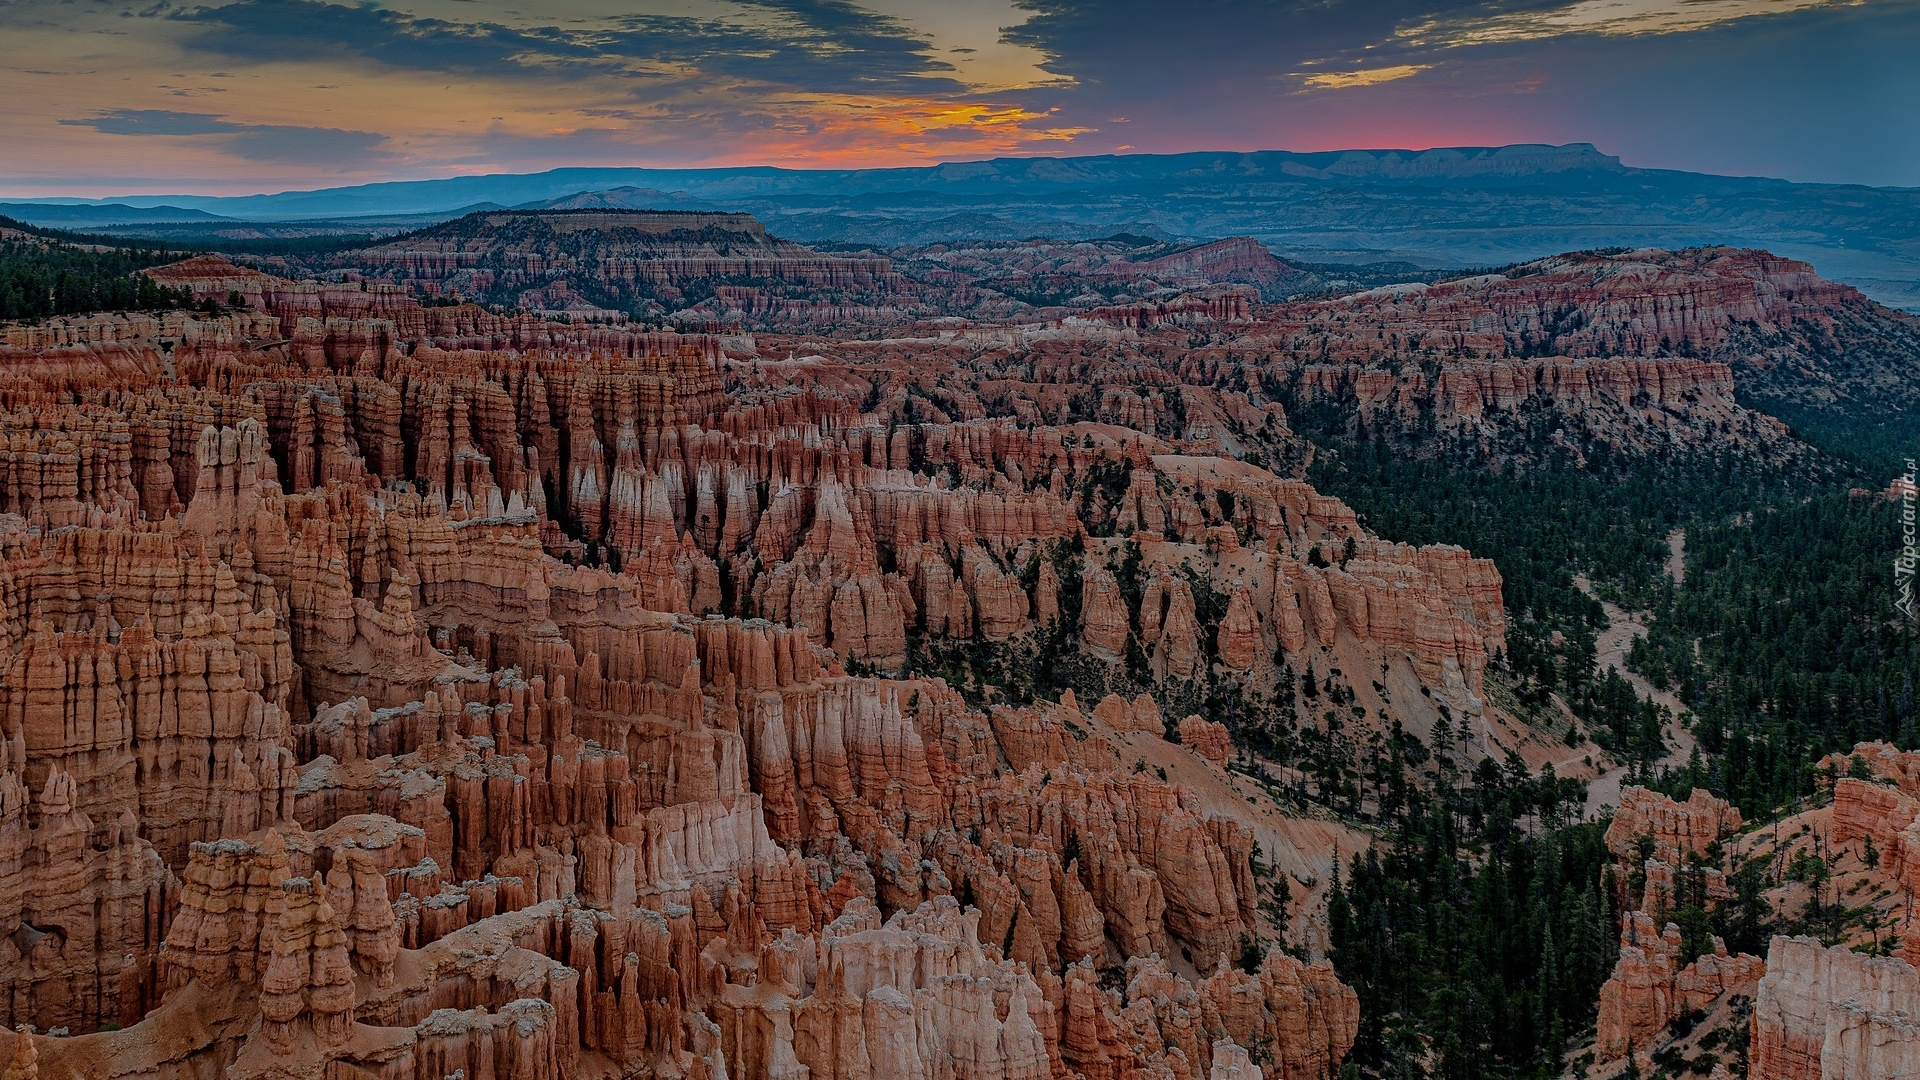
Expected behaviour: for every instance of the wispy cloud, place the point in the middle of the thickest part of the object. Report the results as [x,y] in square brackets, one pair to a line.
[1611,18]
[1343,80]
[282,143]
[378,89]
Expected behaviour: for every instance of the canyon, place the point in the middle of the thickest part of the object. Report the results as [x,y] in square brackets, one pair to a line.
[835,687]
[398,691]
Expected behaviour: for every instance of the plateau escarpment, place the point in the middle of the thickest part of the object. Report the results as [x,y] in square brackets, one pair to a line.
[1592,357]
[647,263]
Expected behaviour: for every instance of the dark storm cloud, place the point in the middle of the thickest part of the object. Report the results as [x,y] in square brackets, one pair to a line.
[1794,88]
[1825,95]
[1145,47]
[299,29]
[282,143]
[1209,67]
[826,46]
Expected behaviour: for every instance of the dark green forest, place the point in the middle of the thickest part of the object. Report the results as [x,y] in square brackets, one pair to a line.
[42,278]
[1543,525]
[1786,644]
[1478,946]
[1783,640]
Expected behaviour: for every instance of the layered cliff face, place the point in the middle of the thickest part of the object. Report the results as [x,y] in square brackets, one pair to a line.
[1827,1013]
[397,691]
[1597,406]
[1635,351]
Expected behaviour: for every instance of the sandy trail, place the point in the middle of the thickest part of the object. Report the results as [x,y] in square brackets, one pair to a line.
[1610,651]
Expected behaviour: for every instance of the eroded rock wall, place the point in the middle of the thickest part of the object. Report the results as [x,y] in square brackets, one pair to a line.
[398,691]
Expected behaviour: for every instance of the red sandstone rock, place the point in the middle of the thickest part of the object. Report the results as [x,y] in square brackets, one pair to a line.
[1306,1014]
[1103,614]
[414,690]
[1677,828]
[1240,640]
[1833,1012]
[1650,987]
[1883,762]
[1206,738]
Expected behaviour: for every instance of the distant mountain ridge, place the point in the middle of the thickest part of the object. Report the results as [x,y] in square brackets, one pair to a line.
[523,189]
[1454,207]
[98,215]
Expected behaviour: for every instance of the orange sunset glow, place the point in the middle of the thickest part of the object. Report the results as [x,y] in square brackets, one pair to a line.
[256,95]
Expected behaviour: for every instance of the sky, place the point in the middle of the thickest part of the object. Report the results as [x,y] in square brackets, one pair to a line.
[242,96]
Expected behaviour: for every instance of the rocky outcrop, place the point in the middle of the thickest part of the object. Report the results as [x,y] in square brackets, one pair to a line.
[1653,985]
[1883,761]
[1206,738]
[1231,1062]
[1302,1011]
[1104,621]
[1239,644]
[1677,829]
[1822,1013]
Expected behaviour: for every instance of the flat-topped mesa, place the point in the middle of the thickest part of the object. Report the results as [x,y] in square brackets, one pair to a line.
[636,258]
[213,277]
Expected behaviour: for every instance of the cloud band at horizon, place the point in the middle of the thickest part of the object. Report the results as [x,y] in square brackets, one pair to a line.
[259,95]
